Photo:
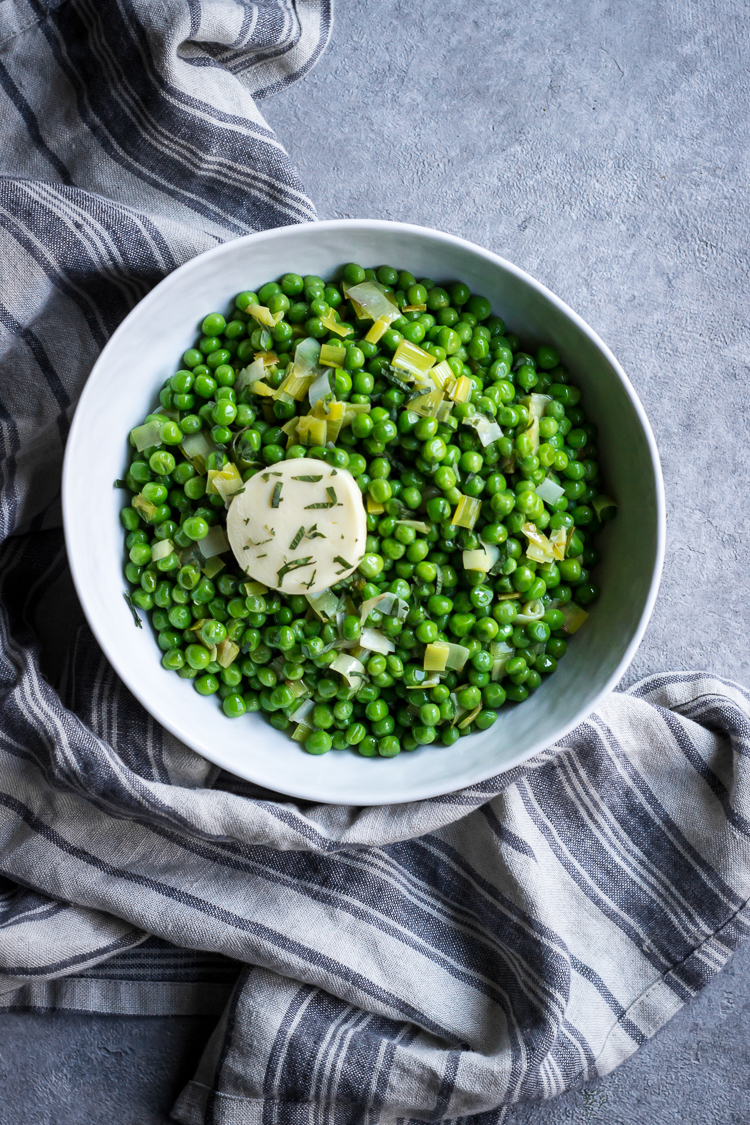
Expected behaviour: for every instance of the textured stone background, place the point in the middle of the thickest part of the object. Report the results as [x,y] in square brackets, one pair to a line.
[604,148]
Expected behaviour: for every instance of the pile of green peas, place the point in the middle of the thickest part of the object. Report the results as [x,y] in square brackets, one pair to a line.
[417,469]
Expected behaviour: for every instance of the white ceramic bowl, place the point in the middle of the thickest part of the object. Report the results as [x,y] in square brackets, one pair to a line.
[146,349]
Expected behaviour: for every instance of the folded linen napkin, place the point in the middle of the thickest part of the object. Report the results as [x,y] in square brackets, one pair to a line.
[427,961]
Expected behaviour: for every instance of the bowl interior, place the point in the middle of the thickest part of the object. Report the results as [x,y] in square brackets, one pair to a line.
[120,392]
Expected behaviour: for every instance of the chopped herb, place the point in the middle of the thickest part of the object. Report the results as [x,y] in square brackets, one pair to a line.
[121,484]
[259,543]
[334,472]
[310,480]
[392,378]
[309,584]
[297,539]
[287,567]
[247,521]
[322,504]
[342,562]
[133,610]
[276,498]
[260,557]
[313,533]
[331,493]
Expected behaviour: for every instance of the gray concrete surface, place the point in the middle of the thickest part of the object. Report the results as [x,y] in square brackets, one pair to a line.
[603,148]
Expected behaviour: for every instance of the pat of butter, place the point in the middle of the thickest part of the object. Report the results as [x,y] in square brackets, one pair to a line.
[299,526]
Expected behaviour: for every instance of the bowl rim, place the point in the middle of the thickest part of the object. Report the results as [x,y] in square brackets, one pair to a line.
[417,792]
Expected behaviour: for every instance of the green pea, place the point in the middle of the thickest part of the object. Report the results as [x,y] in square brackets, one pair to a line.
[460,623]
[371,565]
[162,462]
[233,706]
[538,631]
[206,684]
[319,742]
[485,718]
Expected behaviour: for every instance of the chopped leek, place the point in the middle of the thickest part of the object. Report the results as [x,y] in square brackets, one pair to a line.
[532,611]
[161,549]
[467,512]
[410,357]
[213,566]
[349,667]
[224,482]
[146,435]
[426,405]
[467,720]
[298,688]
[227,652]
[487,429]
[254,589]
[376,641]
[311,430]
[306,356]
[540,548]
[378,330]
[215,543]
[374,507]
[549,492]
[264,315]
[461,389]
[144,507]
[417,525]
[536,405]
[335,420]
[501,653]
[302,732]
[387,603]
[324,604]
[368,299]
[441,374]
[293,386]
[320,388]
[483,559]
[197,448]
[249,375]
[262,389]
[303,711]
[559,541]
[290,429]
[436,656]
[457,657]
[329,321]
[331,356]
[574,617]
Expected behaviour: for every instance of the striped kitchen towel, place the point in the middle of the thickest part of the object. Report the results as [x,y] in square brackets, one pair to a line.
[420,962]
